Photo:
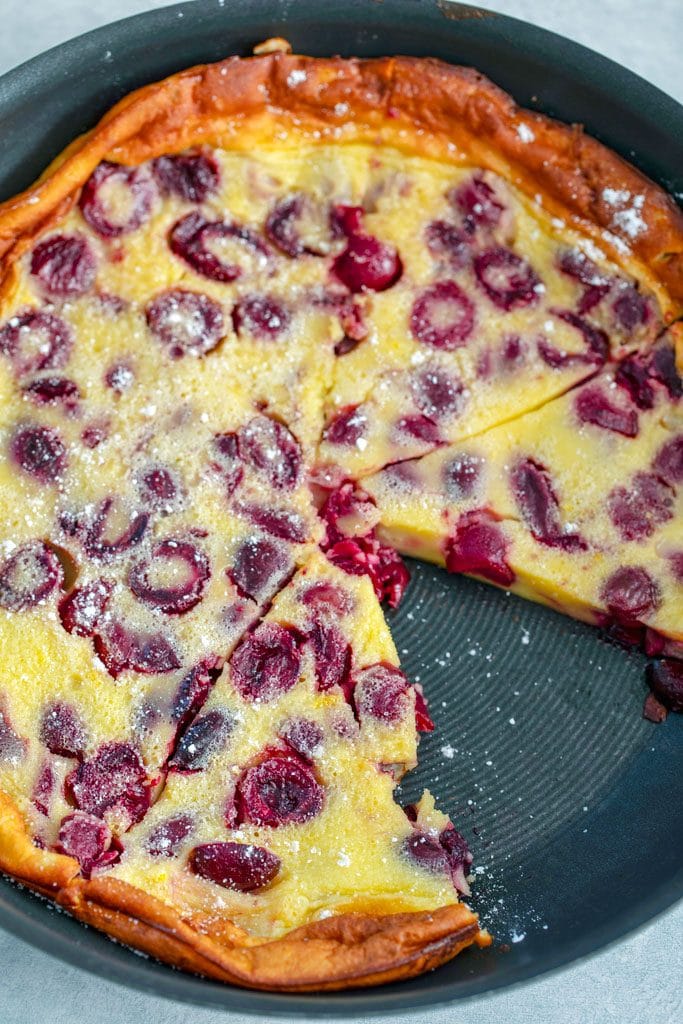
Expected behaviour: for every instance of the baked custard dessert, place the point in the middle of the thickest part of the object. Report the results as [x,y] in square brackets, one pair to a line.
[272,321]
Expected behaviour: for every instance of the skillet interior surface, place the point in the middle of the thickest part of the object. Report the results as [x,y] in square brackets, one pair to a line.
[571,801]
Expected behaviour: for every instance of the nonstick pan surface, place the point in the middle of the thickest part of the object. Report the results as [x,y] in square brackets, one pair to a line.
[570,799]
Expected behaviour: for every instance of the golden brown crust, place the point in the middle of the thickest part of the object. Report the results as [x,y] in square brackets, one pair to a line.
[340,952]
[422,106]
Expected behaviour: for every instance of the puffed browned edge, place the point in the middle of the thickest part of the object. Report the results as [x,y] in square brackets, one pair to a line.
[350,950]
[421,106]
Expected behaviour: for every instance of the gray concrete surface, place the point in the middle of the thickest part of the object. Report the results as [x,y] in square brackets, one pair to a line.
[640,980]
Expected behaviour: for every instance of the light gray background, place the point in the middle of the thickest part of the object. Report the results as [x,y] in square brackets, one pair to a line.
[639,980]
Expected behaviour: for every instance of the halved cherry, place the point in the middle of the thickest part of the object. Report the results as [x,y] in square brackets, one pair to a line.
[121,649]
[261,316]
[39,451]
[201,741]
[536,499]
[44,788]
[508,280]
[187,323]
[88,839]
[638,509]
[668,462]
[458,857]
[53,391]
[29,576]
[593,406]
[192,176]
[240,866]
[461,475]
[36,340]
[169,835]
[227,460]
[480,546]
[328,599]
[160,488]
[259,567]
[365,556]
[436,393]
[631,309]
[120,377]
[218,250]
[348,512]
[173,578]
[12,746]
[62,730]
[442,316]
[635,376]
[332,654]
[630,594]
[303,736]
[347,426]
[366,264]
[267,663]
[114,780]
[426,851]
[299,224]
[268,447]
[382,692]
[116,199]
[417,427]
[82,609]
[278,522]
[64,265]
[423,719]
[596,339]
[478,203]
[101,539]
[446,241]
[193,690]
[281,790]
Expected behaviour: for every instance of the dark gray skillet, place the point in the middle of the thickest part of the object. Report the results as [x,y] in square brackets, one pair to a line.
[572,802]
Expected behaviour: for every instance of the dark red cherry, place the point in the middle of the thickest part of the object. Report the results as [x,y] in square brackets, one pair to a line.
[94,435]
[668,462]
[328,599]
[117,200]
[447,242]
[418,427]
[44,788]
[664,369]
[217,250]
[62,731]
[347,426]
[281,790]
[186,323]
[347,220]
[82,609]
[267,663]
[638,509]
[631,309]
[436,393]
[173,578]
[29,576]
[227,459]
[113,780]
[260,316]
[192,176]
[239,866]
[53,391]
[508,280]
[64,265]
[88,839]
[159,488]
[193,690]
[426,851]
[634,375]
[630,594]
[365,556]
[332,654]
[169,835]
[39,451]
[278,522]
[36,340]
[665,678]
[12,746]
[593,406]
[348,511]
[382,692]
[458,857]
[423,720]
[595,338]
[539,507]
[478,203]
[303,736]
[512,351]
[576,264]
[366,264]
[298,225]
[480,546]
[121,649]
[268,447]
[442,316]
[201,741]
[120,377]
[260,566]
[460,476]
[101,539]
